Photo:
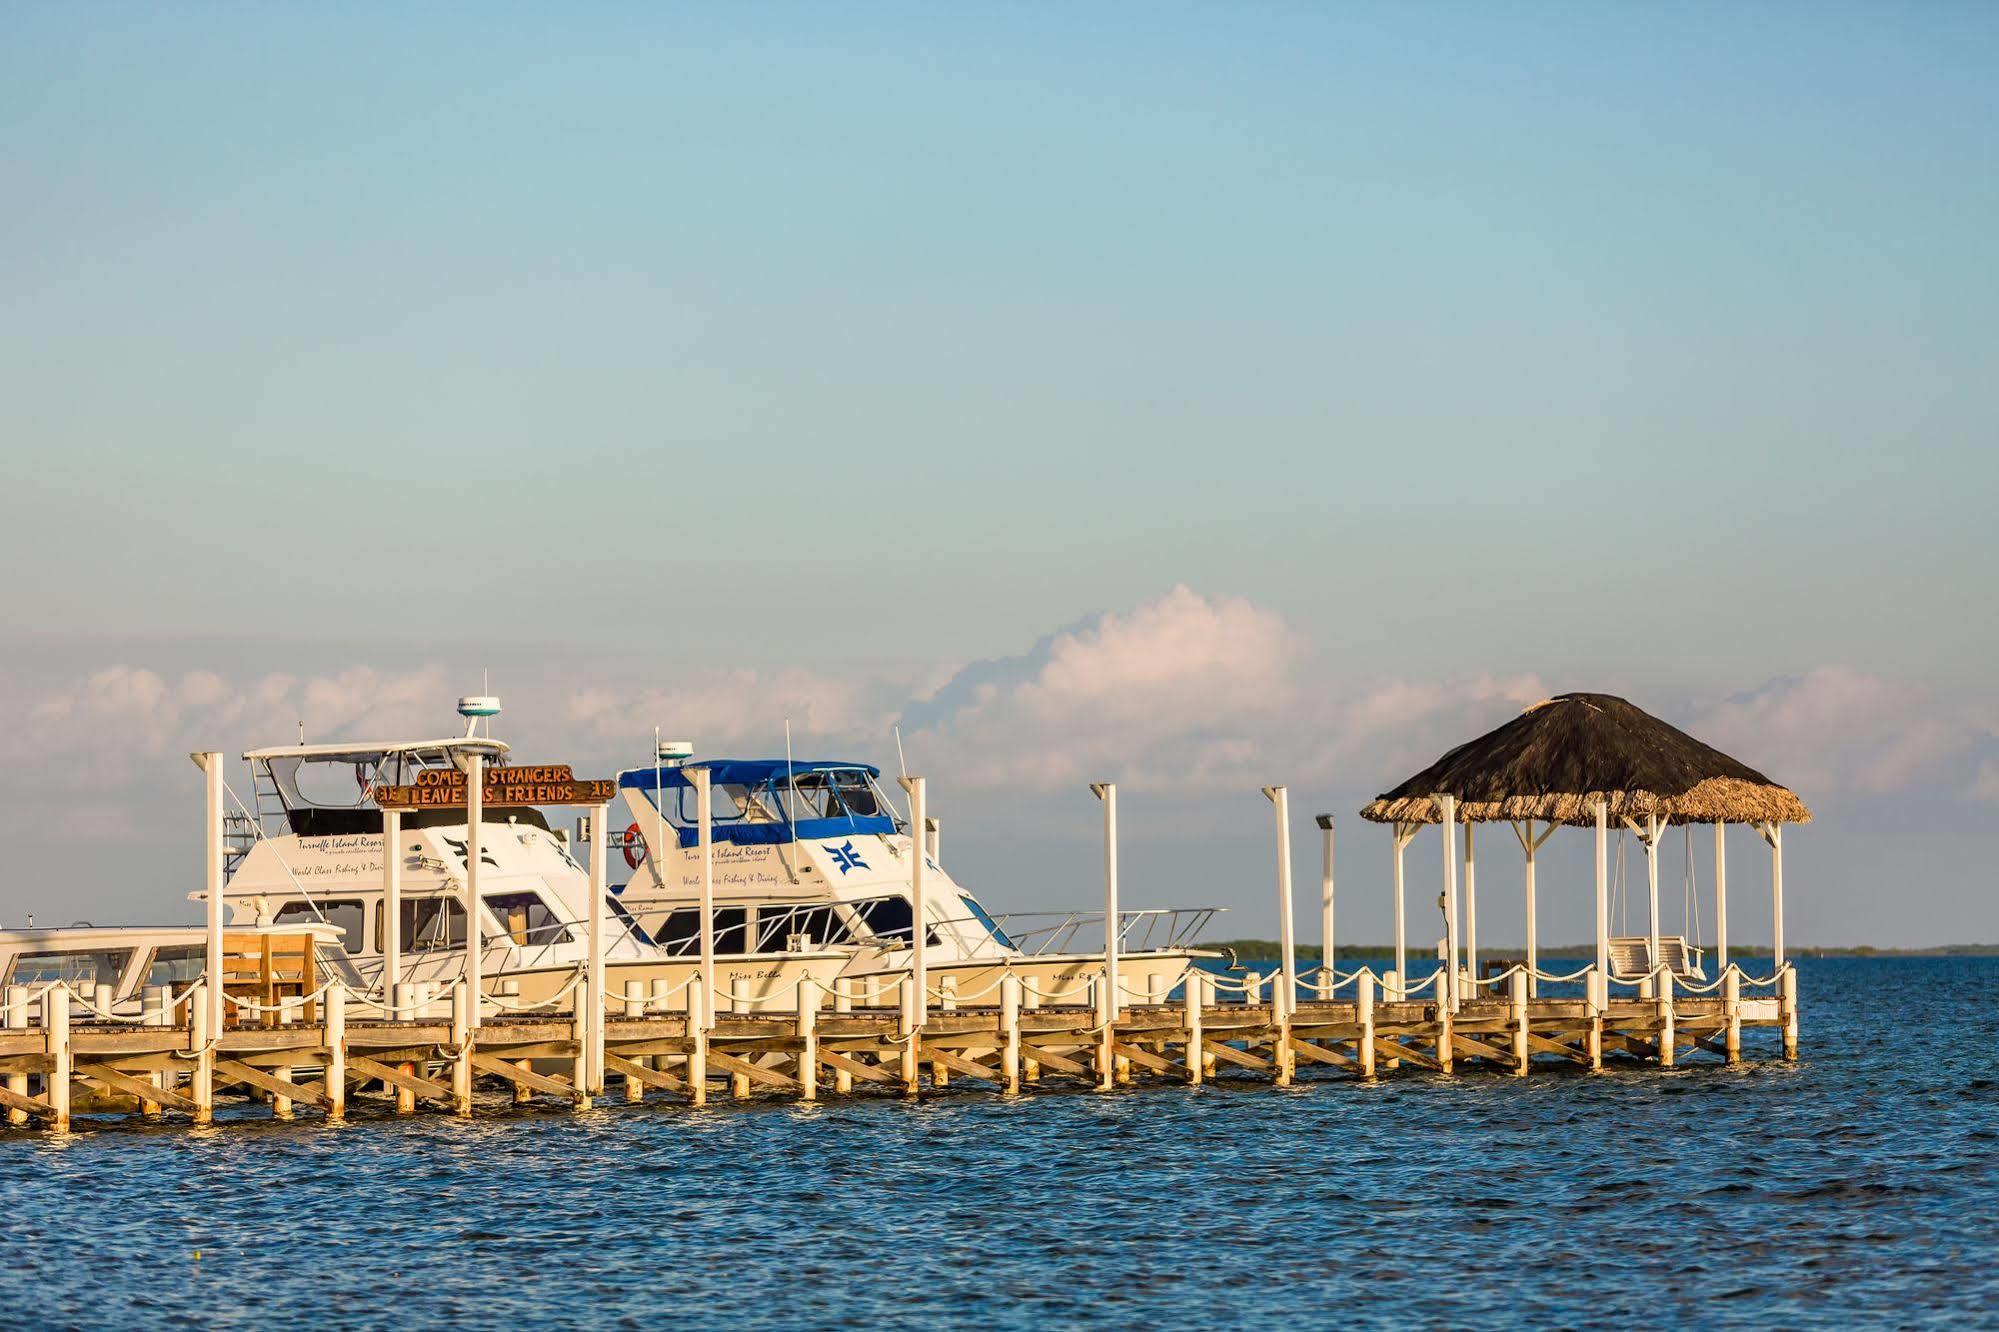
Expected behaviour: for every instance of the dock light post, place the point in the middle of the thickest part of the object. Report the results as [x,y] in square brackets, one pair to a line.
[1449,805]
[392,906]
[475,814]
[704,818]
[1326,911]
[1287,939]
[919,917]
[210,763]
[1107,793]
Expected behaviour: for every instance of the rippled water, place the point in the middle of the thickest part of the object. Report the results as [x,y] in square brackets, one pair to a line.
[1860,1185]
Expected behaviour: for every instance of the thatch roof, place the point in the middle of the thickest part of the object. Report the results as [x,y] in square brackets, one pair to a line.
[1558,758]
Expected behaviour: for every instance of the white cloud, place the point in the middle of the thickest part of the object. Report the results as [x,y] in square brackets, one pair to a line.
[716,711]
[1986,786]
[1835,728]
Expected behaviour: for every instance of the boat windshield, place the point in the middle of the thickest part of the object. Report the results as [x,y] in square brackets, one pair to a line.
[79,968]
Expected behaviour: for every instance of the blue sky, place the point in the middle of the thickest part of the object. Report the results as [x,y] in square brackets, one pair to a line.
[777,359]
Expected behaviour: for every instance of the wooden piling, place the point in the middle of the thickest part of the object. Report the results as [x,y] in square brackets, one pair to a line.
[1194,997]
[635,1002]
[202,1083]
[808,1039]
[1363,987]
[1669,1037]
[1010,1034]
[1731,1012]
[1787,1009]
[912,1055]
[697,1054]
[843,1004]
[55,1024]
[1445,1034]
[334,1037]
[1596,992]
[461,1048]
[1517,993]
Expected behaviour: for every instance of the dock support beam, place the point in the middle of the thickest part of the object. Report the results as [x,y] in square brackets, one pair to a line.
[1404,834]
[335,1036]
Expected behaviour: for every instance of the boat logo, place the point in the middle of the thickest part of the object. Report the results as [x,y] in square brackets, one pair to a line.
[846,857]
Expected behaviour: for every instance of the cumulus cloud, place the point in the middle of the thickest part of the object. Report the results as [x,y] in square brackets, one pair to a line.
[726,708]
[1835,728]
[1985,787]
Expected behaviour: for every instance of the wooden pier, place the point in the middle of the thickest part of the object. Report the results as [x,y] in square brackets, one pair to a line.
[1215,1028]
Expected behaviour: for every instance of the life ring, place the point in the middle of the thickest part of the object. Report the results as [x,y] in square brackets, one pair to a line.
[635,847]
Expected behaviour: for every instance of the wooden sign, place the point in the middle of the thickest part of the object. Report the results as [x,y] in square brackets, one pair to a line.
[524,784]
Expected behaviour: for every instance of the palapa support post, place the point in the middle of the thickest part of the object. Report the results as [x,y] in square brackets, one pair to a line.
[594,978]
[1193,996]
[808,1039]
[201,1081]
[1529,844]
[1787,1008]
[1449,997]
[334,1037]
[1731,1012]
[1595,999]
[1651,839]
[1516,994]
[15,1018]
[1364,1011]
[1603,888]
[461,1047]
[1010,1034]
[1471,912]
[1404,834]
[635,1002]
[843,1003]
[1720,896]
[55,1083]
[1326,954]
[475,934]
[1669,1036]
[1773,833]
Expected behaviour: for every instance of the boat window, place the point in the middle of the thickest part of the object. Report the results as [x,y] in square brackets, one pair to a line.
[981,915]
[333,962]
[80,968]
[526,919]
[177,966]
[888,920]
[348,916]
[727,803]
[857,793]
[681,934]
[627,919]
[820,924]
[433,922]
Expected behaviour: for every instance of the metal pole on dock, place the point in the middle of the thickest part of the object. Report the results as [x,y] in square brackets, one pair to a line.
[475,814]
[392,905]
[1287,939]
[1107,793]
[594,981]
[1603,889]
[919,912]
[1449,805]
[704,817]
[1471,910]
[1326,911]
[211,828]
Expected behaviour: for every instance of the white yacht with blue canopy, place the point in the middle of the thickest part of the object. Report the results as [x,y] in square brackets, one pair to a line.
[810,854]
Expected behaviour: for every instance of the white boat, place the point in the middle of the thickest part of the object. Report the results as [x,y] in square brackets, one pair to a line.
[112,967]
[311,851]
[812,855]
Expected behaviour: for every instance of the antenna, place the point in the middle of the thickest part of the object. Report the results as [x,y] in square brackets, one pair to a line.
[901,766]
[301,730]
[790,778]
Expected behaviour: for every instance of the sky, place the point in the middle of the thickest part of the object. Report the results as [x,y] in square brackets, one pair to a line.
[1198,397]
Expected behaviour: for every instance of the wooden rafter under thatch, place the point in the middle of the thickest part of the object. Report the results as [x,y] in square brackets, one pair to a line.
[1556,760]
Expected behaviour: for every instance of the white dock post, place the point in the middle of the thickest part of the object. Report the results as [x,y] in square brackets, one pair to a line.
[1106,792]
[1720,896]
[919,912]
[1449,805]
[1193,997]
[1326,954]
[1287,938]
[1010,1034]
[912,1055]
[1731,1011]
[1364,1011]
[594,977]
[1602,889]
[1392,992]
[1528,846]
[153,1013]
[697,1058]
[461,1047]
[392,908]
[475,940]
[1106,1015]
[334,1037]
[1775,833]
[947,1002]
[55,1022]
[1669,1036]
[580,1096]
[210,763]
[843,1002]
[1030,1067]
[740,1001]
[1446,1036]
[808,1038]
[16,1019]
[1209,998]
[1596,997]
[1404,833]
[1787,1007]
[1471,913]
[1517,994]
[1652,830]
[201,1083]
[635,1004]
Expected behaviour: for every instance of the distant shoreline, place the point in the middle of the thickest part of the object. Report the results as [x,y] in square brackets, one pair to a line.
[1310,952]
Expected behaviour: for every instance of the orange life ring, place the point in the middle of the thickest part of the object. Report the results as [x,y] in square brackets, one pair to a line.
[635,847]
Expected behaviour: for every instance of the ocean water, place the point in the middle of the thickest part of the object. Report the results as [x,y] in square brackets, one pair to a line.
[1857,1187]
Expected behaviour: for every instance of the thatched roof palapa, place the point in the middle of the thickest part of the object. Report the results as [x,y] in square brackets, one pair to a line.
[1556,760]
